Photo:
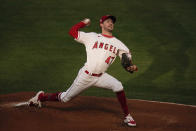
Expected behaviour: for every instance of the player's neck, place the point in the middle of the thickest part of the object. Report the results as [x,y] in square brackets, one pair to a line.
[106,33]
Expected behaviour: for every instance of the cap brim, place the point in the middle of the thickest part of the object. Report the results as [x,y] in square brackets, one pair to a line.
[112,17]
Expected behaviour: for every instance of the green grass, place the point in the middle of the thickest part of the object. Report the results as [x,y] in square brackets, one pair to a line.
[36,52]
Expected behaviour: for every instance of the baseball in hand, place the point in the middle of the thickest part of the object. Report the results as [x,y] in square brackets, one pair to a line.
[87,21]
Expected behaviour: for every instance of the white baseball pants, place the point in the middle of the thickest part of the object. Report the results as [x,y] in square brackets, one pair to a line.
[83,81]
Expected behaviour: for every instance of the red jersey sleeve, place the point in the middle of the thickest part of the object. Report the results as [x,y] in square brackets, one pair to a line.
[74,29]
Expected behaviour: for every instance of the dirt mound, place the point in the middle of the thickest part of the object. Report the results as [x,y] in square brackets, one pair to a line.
[93,114]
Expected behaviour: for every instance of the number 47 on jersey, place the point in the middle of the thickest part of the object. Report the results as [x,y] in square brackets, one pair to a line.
[109,60]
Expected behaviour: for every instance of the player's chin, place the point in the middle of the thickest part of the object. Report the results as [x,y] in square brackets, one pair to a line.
[110,29]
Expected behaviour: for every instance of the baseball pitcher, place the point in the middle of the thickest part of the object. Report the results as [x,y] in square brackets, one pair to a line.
[101,49]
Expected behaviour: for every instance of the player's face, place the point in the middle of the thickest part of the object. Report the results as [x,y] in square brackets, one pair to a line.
[108,25]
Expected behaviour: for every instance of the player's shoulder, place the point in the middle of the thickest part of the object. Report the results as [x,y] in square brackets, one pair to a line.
[92,33]
[121,45]
[87,35]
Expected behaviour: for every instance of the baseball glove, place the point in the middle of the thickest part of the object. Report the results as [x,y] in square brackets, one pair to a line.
[127,63]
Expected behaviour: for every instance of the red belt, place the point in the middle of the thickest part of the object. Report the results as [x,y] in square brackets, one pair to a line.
[93,74]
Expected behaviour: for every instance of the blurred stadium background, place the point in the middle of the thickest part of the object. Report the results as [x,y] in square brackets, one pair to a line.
[36,52]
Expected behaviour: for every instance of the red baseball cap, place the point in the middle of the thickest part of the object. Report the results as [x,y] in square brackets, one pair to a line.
[105,17]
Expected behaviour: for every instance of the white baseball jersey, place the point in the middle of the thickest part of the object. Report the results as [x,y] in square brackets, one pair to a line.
[101,50]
